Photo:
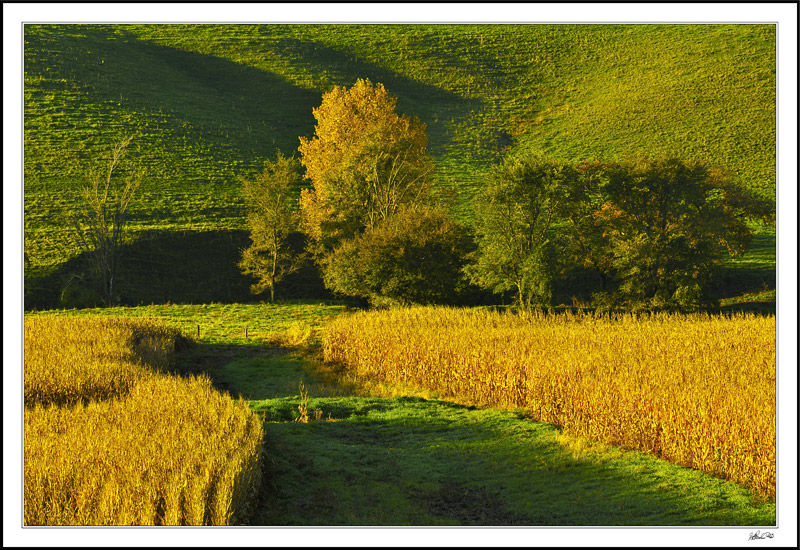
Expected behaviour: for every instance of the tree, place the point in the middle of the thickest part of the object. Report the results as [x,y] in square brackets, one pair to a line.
[667,225]
[416,256]
[523,199]
[270,197]
[365,162]
[100,224]
[582,242]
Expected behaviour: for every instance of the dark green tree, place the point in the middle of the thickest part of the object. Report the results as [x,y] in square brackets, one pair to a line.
[523,199]
[582,239]
[271,197]
[416,256]
[664,227]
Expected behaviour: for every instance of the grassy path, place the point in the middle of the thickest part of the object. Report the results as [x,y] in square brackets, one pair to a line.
[406,460]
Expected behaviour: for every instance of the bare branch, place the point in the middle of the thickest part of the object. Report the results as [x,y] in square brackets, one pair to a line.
[99,227]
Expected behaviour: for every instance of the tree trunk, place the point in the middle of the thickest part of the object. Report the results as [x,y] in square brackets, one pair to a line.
[521,295]
[110,298]
[274,270]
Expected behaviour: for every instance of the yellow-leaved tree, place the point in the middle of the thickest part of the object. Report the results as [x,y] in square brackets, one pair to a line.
[364,162]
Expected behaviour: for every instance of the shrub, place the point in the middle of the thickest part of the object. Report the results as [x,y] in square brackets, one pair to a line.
[665,225]
[523,199]
[415,257]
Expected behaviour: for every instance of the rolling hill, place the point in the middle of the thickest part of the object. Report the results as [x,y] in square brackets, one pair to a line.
[209,103]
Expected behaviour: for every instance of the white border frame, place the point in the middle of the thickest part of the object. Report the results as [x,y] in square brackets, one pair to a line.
[784,14]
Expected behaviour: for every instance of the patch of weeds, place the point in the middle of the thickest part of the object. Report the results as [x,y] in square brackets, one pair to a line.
[298,335]
[302,408]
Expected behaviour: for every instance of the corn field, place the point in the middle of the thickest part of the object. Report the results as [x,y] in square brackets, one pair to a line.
[111,439]
[86,359]
[697,390]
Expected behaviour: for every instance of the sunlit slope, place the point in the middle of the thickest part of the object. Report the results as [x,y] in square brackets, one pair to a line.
[210,102]
[705,93]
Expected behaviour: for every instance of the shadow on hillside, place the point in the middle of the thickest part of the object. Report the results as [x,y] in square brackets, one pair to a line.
[342,67]
[170,266]
[112,66]
[211,96]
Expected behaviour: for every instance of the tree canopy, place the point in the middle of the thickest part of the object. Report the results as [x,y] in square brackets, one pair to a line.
[364,162]
[271,198]
[666,225]
[101,222]
[655,231]
[523,198]
[416,256]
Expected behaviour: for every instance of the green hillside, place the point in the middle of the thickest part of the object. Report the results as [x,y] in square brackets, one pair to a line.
[208,103]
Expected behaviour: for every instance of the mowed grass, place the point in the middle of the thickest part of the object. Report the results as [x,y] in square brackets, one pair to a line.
[390,454]
[415,461]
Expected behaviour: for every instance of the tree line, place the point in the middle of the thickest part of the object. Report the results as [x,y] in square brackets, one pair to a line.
[647,233]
